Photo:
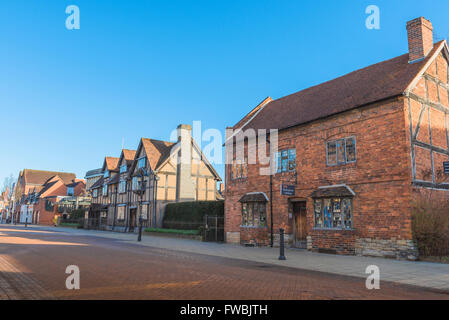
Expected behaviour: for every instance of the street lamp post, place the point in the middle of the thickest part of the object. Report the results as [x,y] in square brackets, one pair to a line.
[140,192]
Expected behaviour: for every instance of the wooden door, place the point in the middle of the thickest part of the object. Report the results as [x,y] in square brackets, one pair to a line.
[300,216]
[132,219]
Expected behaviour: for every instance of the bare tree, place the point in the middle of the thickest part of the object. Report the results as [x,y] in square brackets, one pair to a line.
[8,184]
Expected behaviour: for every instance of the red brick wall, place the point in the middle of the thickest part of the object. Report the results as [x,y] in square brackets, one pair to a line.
[45,217]
[380,177]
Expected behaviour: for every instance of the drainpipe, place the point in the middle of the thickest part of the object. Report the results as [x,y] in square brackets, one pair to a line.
[271,209]
[271,200]
[156,178]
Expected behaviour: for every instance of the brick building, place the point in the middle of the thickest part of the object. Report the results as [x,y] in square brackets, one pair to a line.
[37,192]
[352,153]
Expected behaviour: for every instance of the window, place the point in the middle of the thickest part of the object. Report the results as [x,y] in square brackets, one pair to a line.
[333,213]
[122,187]
[286,160]
[121,213]
[95,193]
[135,183]
[239,169]
[105,190]
[254,214]
[106,174]
[70,191]
[341,151]
[123,168]
[142,162]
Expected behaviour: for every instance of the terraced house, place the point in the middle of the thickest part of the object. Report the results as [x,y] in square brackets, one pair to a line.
[136,187]
[353,154]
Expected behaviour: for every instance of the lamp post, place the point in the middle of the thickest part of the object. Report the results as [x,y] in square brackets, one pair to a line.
[140,192]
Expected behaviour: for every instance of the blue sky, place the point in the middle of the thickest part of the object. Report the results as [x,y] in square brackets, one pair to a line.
[139,68]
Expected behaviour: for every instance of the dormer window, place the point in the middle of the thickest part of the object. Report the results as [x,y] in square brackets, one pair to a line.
[106,174]
[123,168]
[70,191]
[142,162]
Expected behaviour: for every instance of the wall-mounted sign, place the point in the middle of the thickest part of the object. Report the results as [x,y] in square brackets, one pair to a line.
[446,167]
[287,190]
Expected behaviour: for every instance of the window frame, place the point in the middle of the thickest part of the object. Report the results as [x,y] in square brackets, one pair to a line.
[122,189]
[341,213]
[95,193]
[123,170]
[279,158]
[255,206]
[346,161]
[139,162]
[240,166]
[105,190]
[106,174]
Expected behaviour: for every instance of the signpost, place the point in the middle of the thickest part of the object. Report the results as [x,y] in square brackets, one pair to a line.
[287,190]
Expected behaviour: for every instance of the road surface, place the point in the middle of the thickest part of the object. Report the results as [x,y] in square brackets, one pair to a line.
[33,264]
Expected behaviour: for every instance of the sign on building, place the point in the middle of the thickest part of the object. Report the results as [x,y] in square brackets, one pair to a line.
[287,190]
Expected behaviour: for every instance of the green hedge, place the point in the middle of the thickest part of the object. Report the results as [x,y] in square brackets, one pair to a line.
[190,215]
[172,231]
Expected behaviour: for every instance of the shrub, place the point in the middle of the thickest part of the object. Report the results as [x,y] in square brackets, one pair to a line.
[190,215]
[430,226]
[172,231]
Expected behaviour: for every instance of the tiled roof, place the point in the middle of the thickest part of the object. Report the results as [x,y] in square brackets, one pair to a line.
[377,82]
[333,191]
[129,154]
[93,173]
[254,197]
[98,183]
[111,163]
[157,151]
[40,176]
[47,186]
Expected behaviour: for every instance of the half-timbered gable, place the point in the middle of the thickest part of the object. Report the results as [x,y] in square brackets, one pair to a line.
[427,117]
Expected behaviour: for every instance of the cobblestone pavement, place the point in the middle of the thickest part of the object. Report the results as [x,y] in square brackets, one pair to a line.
[33,263]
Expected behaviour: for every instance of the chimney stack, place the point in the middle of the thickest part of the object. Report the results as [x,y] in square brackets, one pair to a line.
[185,190]
[420,38]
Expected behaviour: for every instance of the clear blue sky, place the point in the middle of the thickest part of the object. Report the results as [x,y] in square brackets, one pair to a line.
[139,68]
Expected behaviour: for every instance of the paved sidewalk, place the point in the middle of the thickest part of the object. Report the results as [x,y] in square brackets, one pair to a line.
[423,274]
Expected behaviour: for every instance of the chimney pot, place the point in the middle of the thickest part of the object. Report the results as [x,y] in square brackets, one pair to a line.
[420,38]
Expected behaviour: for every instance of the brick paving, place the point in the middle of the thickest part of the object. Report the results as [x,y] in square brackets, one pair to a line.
[116,269]
[423,274]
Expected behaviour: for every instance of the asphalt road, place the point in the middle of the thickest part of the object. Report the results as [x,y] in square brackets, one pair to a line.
[33,265]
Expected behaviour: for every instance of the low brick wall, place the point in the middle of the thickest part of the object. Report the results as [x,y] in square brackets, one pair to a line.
[332,241]
[255,236]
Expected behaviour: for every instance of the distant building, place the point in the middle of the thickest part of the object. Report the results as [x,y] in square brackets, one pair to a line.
[116,204]
[38,191]
[92,176]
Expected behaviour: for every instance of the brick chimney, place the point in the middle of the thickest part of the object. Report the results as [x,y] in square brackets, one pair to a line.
[184,184]
[420,38]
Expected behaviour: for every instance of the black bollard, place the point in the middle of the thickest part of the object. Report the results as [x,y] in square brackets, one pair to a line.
[26,222]
[139,238]
[281,248]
